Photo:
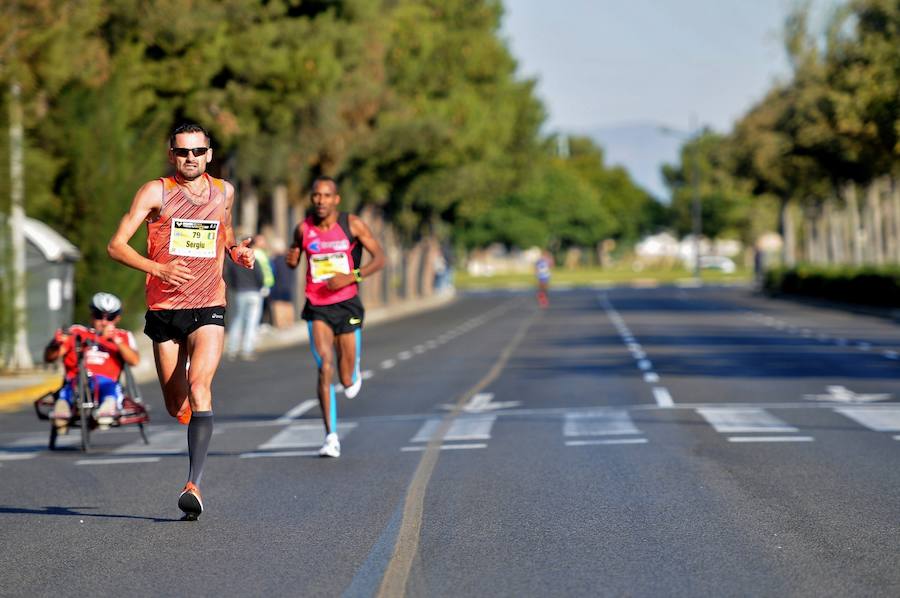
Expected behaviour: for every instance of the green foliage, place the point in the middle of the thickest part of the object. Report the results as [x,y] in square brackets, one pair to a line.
[866,286]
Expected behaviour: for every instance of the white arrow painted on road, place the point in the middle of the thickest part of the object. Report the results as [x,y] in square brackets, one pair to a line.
[842,394]
[482,402]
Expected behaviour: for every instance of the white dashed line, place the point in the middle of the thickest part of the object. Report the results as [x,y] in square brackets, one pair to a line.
[606,441]
[770,439]
[662,396]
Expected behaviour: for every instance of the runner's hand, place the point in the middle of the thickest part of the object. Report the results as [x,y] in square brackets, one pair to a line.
[292,258]
[242,253]
[339,281]
[175,272]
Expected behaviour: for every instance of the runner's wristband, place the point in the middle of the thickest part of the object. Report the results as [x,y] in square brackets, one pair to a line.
[357,275]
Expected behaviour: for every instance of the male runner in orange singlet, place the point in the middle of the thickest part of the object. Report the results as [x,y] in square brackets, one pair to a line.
[188,233]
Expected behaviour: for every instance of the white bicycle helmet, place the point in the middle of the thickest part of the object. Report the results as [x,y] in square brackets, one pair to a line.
[106,303]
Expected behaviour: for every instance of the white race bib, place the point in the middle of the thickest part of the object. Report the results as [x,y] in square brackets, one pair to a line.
[194,238]
[323,266]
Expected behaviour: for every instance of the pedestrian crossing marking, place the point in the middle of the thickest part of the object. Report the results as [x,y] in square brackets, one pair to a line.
[879,419]
[598,422]
[167,442]
[302,435]
[464,427]
[728,420]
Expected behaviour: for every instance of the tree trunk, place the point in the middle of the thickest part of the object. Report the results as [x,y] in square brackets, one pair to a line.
[21,356]
[895,210]
[786,223]
[875,237]
[853,232]
[249,200]
[280,212]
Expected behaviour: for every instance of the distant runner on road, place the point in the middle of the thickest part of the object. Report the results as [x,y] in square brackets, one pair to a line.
[333,243]
[542,271]
[188,233]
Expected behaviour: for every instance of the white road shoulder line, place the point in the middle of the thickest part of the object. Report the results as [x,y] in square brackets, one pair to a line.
[259,455]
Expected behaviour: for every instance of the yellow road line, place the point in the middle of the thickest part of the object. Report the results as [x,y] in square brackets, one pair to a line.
[398,569]
[11,400]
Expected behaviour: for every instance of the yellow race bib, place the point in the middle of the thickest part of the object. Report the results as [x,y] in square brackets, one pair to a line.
[323,266]
[194,238]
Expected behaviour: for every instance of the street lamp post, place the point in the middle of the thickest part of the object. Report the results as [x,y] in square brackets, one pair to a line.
[696,206]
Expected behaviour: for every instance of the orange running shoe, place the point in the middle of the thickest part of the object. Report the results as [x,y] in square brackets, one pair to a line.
[190,503]
[184,416]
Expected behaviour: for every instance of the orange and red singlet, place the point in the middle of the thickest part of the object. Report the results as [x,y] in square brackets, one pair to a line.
[192,229]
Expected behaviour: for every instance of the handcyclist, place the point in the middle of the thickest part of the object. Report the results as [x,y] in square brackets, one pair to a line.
[189,232]
[333,241]
[105,351]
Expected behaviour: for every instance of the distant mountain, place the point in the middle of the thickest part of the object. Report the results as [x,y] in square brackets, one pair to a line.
[642,148]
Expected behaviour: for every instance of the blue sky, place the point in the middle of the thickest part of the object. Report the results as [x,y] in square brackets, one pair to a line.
[613,62]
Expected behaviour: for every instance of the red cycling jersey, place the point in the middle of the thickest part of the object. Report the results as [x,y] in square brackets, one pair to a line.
[101,355]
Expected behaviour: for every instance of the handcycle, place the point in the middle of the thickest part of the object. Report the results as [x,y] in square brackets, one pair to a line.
[85,400]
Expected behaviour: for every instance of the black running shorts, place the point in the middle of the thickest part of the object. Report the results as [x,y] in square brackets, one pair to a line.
[343,317]
[176,324]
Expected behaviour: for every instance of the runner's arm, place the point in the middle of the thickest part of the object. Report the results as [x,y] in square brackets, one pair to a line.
[147,200]
[240,253]
[292,257]
[361,231]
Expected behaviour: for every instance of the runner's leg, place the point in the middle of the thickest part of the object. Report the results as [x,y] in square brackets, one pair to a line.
[321,344]
[205,346]
[171,358]
[349,346]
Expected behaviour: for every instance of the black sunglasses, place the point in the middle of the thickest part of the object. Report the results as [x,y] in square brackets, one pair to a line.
[104,315]
[182,152]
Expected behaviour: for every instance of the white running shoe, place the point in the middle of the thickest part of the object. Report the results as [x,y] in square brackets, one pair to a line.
[332,447]
[353,390]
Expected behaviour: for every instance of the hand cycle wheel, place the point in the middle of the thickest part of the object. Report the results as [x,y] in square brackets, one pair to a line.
[85,403]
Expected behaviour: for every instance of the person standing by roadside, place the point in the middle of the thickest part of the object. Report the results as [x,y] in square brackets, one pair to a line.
[282,296]
[261,252]
[189,232]
[333,242]
[246,286]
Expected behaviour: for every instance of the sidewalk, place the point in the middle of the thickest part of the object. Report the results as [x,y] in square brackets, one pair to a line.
[18,390]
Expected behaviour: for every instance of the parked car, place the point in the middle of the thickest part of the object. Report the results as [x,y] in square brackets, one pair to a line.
[717,262]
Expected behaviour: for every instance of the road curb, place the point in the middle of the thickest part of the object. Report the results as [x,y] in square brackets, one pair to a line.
[12,400]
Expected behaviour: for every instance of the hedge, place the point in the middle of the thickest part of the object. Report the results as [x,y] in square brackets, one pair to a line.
[868,285]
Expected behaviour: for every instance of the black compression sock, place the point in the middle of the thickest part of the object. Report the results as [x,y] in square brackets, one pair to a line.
[199,433]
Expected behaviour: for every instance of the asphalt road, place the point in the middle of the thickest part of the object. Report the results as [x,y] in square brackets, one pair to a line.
[623,442]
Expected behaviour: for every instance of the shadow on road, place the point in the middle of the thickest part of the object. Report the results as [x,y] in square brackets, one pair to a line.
[76,512]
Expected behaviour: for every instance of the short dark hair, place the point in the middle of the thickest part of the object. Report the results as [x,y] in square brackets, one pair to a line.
[187,128]
[325,179]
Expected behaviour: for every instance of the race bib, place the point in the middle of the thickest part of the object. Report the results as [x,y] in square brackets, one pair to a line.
[323,266]
[194,238]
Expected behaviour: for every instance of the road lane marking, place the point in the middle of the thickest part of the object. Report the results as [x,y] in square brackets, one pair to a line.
[259,455]
[735,420]
[606,441]
[297,411]
[119,461]
[878,418]
[599,422]
[406,545]
[770,439]
[404,355]
[388,364]
[651,377]
[662,396]
[445,447]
